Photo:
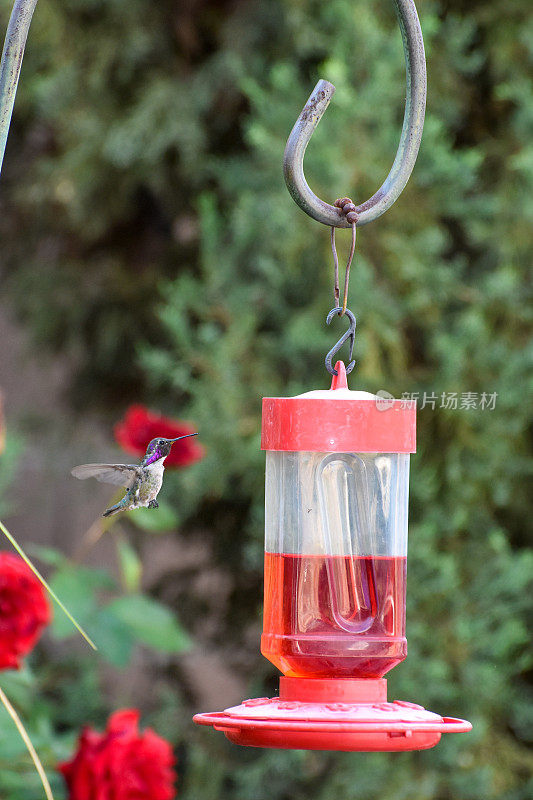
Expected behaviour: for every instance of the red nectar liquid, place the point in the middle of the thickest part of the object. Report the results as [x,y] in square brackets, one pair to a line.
[334,616]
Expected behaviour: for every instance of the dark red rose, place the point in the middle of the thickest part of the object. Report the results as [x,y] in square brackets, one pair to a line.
[140,426]
[24,610]
[121,764]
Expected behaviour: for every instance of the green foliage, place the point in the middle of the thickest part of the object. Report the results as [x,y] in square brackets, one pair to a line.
[162,252]
[118,624]
[165,520]
[150,623]
[58,697]
[130,565]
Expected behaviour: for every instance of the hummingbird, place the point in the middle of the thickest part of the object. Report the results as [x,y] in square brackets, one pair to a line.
[143,481]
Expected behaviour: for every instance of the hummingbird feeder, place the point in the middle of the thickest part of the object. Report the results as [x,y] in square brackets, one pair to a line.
[336,509]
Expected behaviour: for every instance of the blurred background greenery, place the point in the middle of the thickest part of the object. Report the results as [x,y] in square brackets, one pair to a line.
[151,253]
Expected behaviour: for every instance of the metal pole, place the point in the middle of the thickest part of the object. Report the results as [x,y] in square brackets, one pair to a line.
[12,55]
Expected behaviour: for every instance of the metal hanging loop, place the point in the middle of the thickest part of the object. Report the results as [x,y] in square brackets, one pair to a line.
[336,291]
[349,334]
[413,122]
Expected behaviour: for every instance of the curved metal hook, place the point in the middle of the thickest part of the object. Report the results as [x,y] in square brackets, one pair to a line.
[350,334]
[413,122]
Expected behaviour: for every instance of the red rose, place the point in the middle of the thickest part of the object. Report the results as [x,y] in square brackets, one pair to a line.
[121,764]
[140,426]
[24,610]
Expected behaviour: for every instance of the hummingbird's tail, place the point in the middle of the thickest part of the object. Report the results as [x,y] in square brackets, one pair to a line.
[116,509]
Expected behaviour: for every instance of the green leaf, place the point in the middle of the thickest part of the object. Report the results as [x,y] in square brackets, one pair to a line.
[19,685]
[48,555]
[155,520]
[151,623]
[130,565]
[11,745]
[115,640]
[78,594]
[79,586]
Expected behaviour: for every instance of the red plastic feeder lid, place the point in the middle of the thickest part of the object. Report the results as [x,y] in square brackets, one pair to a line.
[347,724]
[339,420]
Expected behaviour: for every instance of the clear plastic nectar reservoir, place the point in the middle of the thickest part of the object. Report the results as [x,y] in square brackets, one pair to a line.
[336,534]
[335,563]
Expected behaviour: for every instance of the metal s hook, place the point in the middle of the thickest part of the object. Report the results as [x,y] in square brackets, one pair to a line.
[413,122]
[349,334]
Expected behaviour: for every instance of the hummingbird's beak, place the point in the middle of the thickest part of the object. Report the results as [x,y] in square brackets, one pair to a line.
[182,437]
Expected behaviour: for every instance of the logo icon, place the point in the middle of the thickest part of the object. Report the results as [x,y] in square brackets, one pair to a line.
[384,400]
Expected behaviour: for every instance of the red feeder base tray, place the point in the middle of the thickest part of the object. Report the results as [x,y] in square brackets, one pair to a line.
[344,714]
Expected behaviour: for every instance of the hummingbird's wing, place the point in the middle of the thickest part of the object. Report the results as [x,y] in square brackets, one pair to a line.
[117,474]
